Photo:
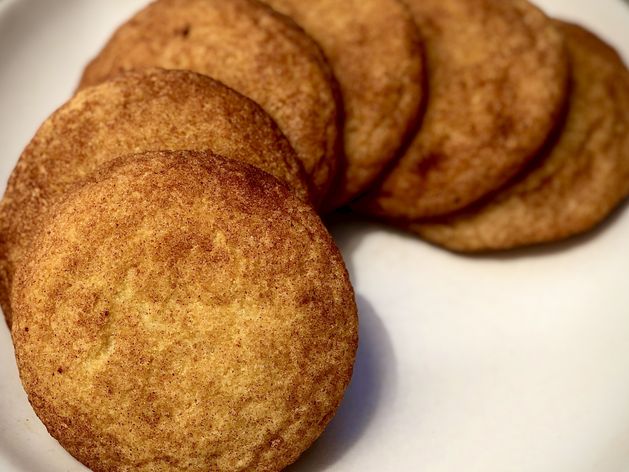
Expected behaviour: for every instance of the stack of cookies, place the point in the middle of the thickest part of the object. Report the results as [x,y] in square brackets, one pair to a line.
[175,300]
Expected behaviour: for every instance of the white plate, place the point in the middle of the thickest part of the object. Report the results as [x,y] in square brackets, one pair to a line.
[510,363]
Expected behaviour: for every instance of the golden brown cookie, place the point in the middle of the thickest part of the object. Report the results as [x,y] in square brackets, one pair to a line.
[577,181]
[143,111]
[497,81]
[252,49]
[375,53]
[186,312]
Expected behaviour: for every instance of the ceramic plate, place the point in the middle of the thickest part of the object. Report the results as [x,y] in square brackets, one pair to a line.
[510,363]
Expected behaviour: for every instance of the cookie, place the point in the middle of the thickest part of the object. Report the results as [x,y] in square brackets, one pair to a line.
[143,111]
[375,53]
[497,82]
[181,311]
[576,182]
[252,49]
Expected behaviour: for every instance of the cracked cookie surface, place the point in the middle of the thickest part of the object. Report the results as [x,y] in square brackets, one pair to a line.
[137,111]
[252,49]
[497,81]
[181,311]
[374,50]
[576,182]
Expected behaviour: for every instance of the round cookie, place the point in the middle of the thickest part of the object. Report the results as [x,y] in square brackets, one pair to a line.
[252,49]
[497,81]
[577,181]
[181,311]
[138,111]
[375,53]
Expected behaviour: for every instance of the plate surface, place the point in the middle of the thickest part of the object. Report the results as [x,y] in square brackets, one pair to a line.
[511,363]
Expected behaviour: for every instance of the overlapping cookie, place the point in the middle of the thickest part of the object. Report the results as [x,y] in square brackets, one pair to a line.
[181,311]
[497,80]
[174,309]
[252,49]
[577,181]
[375,53]
[138,111]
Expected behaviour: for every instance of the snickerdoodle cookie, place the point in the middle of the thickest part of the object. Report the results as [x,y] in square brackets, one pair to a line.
[181,311]
[138,111]
[375,53]
[252,49]
[497,81]
[576,182]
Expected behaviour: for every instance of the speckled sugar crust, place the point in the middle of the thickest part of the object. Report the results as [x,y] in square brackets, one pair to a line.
[497,82]
[375,52]
[184,312]
[138,111]
[252,49]
[577,181]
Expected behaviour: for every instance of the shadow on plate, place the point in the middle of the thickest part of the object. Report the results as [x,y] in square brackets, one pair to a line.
[343,225]
[571,243]
[374,380]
